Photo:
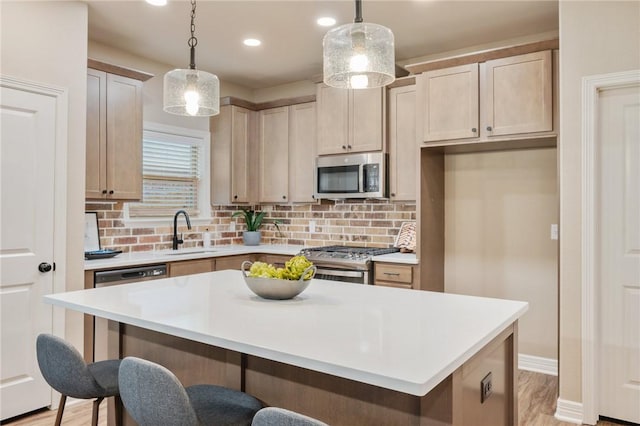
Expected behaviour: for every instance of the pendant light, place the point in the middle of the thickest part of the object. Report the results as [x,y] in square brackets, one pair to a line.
[358,55]
[191,92]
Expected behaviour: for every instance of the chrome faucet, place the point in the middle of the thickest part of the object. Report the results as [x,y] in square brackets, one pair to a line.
[177,240]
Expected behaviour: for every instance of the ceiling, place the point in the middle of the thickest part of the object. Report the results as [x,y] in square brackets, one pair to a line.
[291,47]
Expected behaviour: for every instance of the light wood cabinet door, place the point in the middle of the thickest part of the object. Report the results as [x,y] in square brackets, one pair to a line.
[189,267]
[518,95]
[302,152]
[124,138]
[96,143]
[403,148]
[114,137]
[333,120]
[350,120]
[233,262]
[366,120]
[232,161]
[274,155]
[451,99]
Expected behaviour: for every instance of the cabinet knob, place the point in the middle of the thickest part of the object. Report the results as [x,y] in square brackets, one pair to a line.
[348,146]
[313,197]
[344,147]
[393,194]
[489,128]
[284,197]
[104,191]
[111,192]
[235,197]
[474,130]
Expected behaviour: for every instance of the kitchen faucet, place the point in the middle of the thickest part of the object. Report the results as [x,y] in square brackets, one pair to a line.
[177,240]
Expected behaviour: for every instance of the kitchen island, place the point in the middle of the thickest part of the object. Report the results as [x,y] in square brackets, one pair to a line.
[345,353]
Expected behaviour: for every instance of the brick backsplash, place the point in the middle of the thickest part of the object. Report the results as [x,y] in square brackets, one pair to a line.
[370,223]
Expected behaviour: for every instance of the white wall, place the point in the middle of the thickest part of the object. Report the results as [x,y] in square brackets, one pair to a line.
[47,42]
[499,207]
[595,38]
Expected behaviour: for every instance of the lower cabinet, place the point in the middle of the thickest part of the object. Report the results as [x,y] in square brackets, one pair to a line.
[394,275]
[233,262]
[188,267]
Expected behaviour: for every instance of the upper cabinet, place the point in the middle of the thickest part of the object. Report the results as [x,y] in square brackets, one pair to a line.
[287,153]
[350,120]
[114,136]
[274,155]
[403,149]
[232,155]
[498,99]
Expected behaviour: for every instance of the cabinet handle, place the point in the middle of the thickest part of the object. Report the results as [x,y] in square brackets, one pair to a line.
[393,274]
[104,191]
[111,192]
[474,130]
[489,128]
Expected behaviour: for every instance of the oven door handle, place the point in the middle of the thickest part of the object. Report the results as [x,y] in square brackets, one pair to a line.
[339,273]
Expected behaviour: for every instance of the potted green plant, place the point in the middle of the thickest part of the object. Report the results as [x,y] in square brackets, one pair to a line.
[254,220]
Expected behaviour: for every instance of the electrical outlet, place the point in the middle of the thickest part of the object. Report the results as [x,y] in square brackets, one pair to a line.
[312,226]
[554,231]
[486,388]
[232,226]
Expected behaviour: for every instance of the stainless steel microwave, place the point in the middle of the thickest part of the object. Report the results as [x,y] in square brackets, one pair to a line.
[351,176]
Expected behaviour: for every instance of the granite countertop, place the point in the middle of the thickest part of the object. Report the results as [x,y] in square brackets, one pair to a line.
[351,331]
[151,257]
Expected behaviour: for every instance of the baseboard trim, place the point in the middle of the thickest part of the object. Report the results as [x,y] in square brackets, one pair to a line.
[538,364]
[569,411]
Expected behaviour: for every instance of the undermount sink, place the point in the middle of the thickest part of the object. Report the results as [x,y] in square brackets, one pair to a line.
[185,251]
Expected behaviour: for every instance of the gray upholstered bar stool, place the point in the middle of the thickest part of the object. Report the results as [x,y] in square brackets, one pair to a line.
[65,370]
[154,396]
[272,416]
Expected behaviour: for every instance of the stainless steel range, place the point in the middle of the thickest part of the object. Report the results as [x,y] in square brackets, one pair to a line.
[342,263]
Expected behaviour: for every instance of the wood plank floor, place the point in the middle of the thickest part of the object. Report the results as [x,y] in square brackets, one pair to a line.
[537,394]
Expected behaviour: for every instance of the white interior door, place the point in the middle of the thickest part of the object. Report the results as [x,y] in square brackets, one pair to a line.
[619,252]
[27,153]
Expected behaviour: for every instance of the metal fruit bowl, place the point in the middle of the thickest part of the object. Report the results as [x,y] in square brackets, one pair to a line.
[274,288]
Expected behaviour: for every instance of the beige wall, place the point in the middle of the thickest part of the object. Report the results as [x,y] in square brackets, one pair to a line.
[595,38]
[499,207]
[47,42]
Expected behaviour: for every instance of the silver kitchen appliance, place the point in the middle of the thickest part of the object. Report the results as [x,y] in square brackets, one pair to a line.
[343,263]
[361,175]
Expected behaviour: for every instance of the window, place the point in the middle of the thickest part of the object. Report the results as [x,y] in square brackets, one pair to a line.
[175,172]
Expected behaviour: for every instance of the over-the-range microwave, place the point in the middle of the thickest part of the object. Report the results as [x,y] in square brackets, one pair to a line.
[361,175]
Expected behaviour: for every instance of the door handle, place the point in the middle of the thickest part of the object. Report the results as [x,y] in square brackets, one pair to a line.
[45,267]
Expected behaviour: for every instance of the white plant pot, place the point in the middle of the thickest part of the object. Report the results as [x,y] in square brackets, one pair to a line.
[251,238]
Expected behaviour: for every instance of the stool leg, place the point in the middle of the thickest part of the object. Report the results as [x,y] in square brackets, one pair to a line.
[96,407]
[63,399]
[118,410]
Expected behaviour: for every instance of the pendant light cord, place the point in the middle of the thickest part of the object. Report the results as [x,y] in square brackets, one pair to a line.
[358,18]
[193,41]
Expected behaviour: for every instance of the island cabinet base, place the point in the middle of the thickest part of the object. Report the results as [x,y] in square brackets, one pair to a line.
[457,400]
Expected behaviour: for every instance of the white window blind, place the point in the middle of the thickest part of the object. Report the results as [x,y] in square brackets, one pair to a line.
[170,175]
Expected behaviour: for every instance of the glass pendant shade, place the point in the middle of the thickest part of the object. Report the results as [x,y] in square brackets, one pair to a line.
[191,92]
[358,56]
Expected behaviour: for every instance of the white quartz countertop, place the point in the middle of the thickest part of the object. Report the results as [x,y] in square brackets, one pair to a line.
[404,340]
[151,257]
[408,258]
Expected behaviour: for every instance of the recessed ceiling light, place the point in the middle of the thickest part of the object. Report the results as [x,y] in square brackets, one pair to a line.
[252,42]
[326,21]
[157,2]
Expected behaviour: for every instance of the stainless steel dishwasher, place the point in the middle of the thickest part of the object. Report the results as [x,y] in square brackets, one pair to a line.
[118,277]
